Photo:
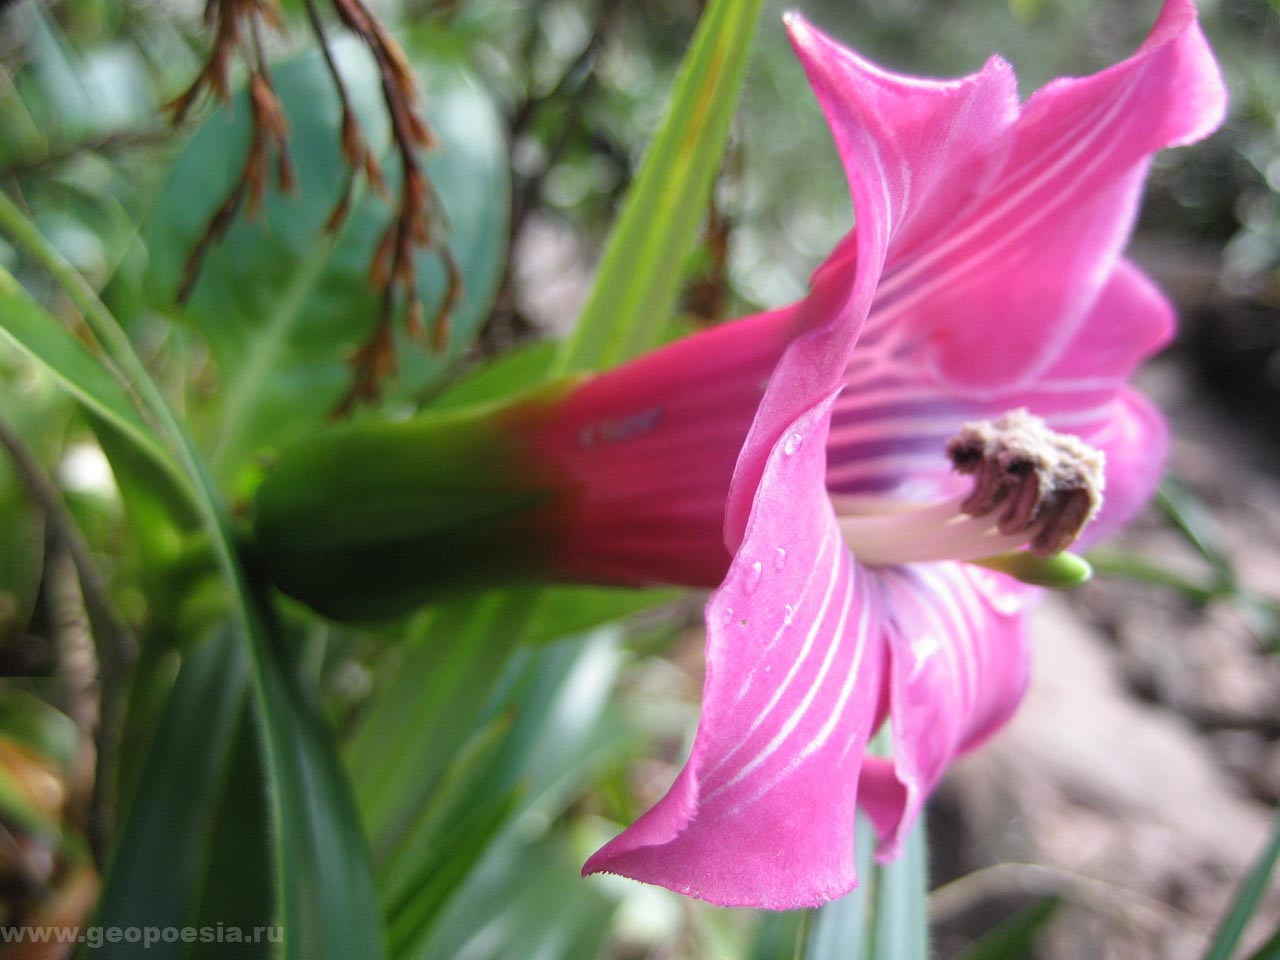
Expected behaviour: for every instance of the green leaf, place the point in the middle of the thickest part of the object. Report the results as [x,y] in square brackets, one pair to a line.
[638,281]
[902,921]
[324,879]
[1198,526]
[1246,901]
[568,611]
[551,732]
[506,375]
[886,916]
[779,935]
[41,728]
[284,304]
[442,679]
[460,842]
[439,687]
[158,869]
[50,735]
[36,334]
[526,900]
[238,872]
[167,552]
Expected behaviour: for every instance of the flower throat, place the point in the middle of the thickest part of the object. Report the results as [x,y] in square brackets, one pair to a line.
[1033,491]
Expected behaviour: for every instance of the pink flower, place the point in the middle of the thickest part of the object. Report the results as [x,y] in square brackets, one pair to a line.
[984,275]
[798,460]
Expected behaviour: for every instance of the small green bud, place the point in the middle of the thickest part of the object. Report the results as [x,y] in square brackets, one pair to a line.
[1062,571]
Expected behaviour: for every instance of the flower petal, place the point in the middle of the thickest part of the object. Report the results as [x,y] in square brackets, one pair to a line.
[920,151]
[890,426]
[910,149]
[958,659]
[763,813]
[1135,439]
[993,299]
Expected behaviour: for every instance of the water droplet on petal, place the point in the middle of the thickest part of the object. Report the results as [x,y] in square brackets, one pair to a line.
[793,444]
[780,558]
[753,578]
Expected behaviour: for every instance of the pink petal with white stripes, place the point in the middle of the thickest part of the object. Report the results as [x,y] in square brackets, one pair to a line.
[890,426]
[910,148]
[958,659]
[763,813]
[996,295]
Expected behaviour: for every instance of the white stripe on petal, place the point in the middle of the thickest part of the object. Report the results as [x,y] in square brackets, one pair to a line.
[799,661]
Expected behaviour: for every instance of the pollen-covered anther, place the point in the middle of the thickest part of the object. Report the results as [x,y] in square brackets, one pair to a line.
[1029,479]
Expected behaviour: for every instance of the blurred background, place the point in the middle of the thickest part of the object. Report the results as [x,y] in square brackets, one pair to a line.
[1113,819]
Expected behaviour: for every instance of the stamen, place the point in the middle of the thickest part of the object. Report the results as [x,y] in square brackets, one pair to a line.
[1047,482]
[1032,488]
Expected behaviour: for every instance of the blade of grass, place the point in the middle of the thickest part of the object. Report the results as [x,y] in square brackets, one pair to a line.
[639,276]
[885,917]
[1199,528]
[1246,900]
[1132,566]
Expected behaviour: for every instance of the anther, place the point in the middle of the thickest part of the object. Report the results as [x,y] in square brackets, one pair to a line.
[1030,480]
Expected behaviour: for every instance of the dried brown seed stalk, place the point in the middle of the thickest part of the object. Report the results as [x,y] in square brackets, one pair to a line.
[418,222]
[238,25]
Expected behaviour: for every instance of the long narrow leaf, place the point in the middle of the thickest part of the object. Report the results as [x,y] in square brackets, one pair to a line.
[155,876]
[28,327]
[902,922]
[841,930]
[639,276]
[428,710]
[1246,901]
[886,916]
